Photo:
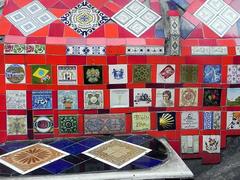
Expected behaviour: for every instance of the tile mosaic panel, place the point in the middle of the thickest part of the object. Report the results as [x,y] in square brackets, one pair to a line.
[41,74]
[16,125]
[166,121]
[43,124]
[165,97]
[68,124]
[212,97]
[166,73]
[93,99]
[212,74]
[93,75]
[15,74]
[104,124]
[16,99]
[67,74]
[118,74]
[233,96]
[41,100]
[77,50]
[188,96]
[233,118]
[136,18]
[212,120]
[142,97]
[117,153]
[145,50]
[233,74]
[174,25]
[174,45]
[84,18]
[218,50]
[141,121]
[189,73]
[190,144]
[119,98]
[32,157]
[142,73]
[68,99]
[189,120]
[211,143]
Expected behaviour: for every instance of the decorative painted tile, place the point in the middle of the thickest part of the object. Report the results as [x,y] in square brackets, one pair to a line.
[32,157]
[117,153]
[141,121]
[166,73]
[200,50]
[174,45]
[212,97]
[41,100]
[211,143]
[233,96]
[68,99]
[233,120]
[218,50]
[104,124]
[155,50]
[43,124]
[212,74]
[14,49]
[174,25]
[166,121]
[15,74]
[190,144]
[93,99]
[142,73]
[212,120]
[67,74]
[136,18]
[68,124]
[237,50]
[119,98]
[189,120]
[77,50]
[35,49]
[189,73]
[142,97]
[165,97]
[135,50]
[118,74]
[188,96]
[233,74]
[84,18]
[16,99]
[41,74]
[93,75]
[31,18]
[17,125]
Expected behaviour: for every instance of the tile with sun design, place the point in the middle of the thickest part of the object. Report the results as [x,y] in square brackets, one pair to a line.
[31,157]
[142,73]
[41,74]
[93,75]
[117,153]
[68,124]
[166,121]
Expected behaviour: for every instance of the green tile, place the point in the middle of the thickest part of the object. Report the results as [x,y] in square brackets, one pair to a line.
[41,74]
[189,73]
[93,75]
[68,124]
[142,73]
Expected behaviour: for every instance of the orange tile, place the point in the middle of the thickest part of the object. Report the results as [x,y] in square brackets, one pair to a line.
[58,12]
[68,32]
[15,59]
[50,59]
[56,49]
[111,30]
[157,42]
[41,32]
[5,26]
[31,59]
[115,50]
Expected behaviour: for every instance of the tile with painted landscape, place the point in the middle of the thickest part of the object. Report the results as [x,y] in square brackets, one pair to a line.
[189,120]
[16,124]
[41,100]
[43,124]
[166,121]
[93,99]
[212,120]
[68,99]
[119,98]
[188,96]
[165,97]
[68,124]
[142,97]
[16,99]
[141,121]
[15,74]
[190,144]
[41,74]
[118,74]
[166,73]
[233,96]
[67,74]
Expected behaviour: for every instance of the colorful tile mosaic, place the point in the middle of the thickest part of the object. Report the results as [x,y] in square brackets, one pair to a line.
[233,74]
[68,124]
[119,98]
[233,97]
[166,121]
[212,74]
[17,125]
[212,120]
[41,100]
[67,74]
[212,97]
[67,99]
[211,143]
[141,121]
[142,73]
[15,74]
[24,49]
[16,99]
[166,73]
[35,49]
[75,50]
[93,75]
[189,120]
[188,97]
[41,74]
[118,74]
[189,73]
[233,120]
[165,97]
[93,99]
[43,124]
[142,97]
[190,144]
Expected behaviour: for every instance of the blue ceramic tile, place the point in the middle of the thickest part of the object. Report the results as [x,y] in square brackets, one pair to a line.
[57,166]
[62,143]
[75,149]
[186,27]
[90,142]
[12,146]
[159,33]
[181,3]
[137,139]
[146,162]
[212,74]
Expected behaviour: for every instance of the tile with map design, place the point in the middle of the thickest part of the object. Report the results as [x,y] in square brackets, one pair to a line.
[41,74]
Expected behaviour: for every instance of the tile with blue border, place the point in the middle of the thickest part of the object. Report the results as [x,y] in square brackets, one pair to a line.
[75,149]
[146,162]
[90,142]
[61,144]
[57,166]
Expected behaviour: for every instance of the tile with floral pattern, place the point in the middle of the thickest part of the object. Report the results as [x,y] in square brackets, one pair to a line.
[142,73]
[16,124]
[212,97]
[233,74]
[68,124]
[16,99]
[68,99]
[188,96]
[93,99]
[93,75]
[211,143]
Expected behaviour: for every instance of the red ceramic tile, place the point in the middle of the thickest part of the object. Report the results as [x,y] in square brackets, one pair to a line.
[31,59]
[68,32]
[56,29]
[100,60]
[49,4]
[59,5]
[115,50]
[98,4]
[43,32]
[58,12]
[21,3]
[5,26]
[56,49]
[14,31]
[111,30]
[10,7]
[36,40]
[54,59]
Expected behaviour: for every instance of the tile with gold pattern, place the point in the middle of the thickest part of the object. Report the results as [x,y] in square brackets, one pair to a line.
[31,157]
[142,73]
[117,153]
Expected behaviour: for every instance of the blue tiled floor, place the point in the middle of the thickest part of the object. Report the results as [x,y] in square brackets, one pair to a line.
[90,142]
[57,166]
[11,146]
[146,162]
[61,144]
[75,149]
[137,139]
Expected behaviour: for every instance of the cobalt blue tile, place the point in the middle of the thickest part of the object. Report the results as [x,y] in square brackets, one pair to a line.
[61,144]
[138,139]
[146,162]
[75,149]
[186,27]
[12,146]
[181,3]
[73,159]
[39,172]
[57,166]
[91,142]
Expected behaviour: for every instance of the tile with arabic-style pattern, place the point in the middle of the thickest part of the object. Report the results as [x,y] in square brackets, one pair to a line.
[15,74]
[233,120]
[16,99]
[41,74]
[14,49]
[118,74]
[35,49]
[190,144]
[141,121]
[189,120]
[93,75]
[233,74]
[142,73]
[211,143]
[68,124]
[212,97]
[68,99]
[77,50]
[43,124]
[188,96]
[212,120]
[166,121]
[93,99]
[16,124]
[189,73]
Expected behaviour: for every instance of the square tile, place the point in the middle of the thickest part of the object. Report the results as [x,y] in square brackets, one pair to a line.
[211,143]
[93,75]
[62,143]
[90,142]
[189,120]
[141,121]
[205,14]
[142,97]
[230,15]
[188,97]
[117,153]
[212,97]
[68,99]
[166,73]
[118,74]
[212,74]
[146,162]
[219,26]
[16,99]
[67,74]
[33,8]
[119,98]
[75,149]
[218,50]
[189,73]
[15,74]
[68,124]
[16,125]
[233,74]
[58,166]
[136,50]
[41,100]
[31,157]
[190,144]
[84,18]
[233,96]
[233,120]
[43,124]
[142,73]
[212,120]
[41,74]
[200,50]
[104,123]
[165,97]
[166,121]
[93,99]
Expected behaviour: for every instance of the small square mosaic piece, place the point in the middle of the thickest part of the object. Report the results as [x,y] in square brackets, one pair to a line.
[142,73]
[43,124]
[118,74]
[166,73]
[93,75]
[189,120]
[212,120]
[68,124]
[233,96]
[32,157]
[15,74]
[165,97]
[93,99]
[233,74]
[233,120]
[166,121]
[141,121]
[16,124]
[41,100]
[188,97]
[67,75]
[68,99]
[41,74]
[212,74]
[119,98]
[190,144]
[211,143]
[189,73]
[212,97]
[117,153]
[142,97]
[16,99]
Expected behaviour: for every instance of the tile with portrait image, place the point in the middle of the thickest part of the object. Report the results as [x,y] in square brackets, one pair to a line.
[141,121]
[41,74]
[142,97]
[16,124]
[233,120]
[41,100]
[166,73]
[43,124]
[189,120]
[233,74]
[142,73]
[16,99]
[93,99]
[212,120]
[211,143]
[188,96]
[119,98]
[15,74]
[190,144]
[189,73]
[68,124]
[68,99]
[233,96]
[165,97]
[212,97]
[93,75]
[67,74]
[118,74]
[166,121]
[212,74]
